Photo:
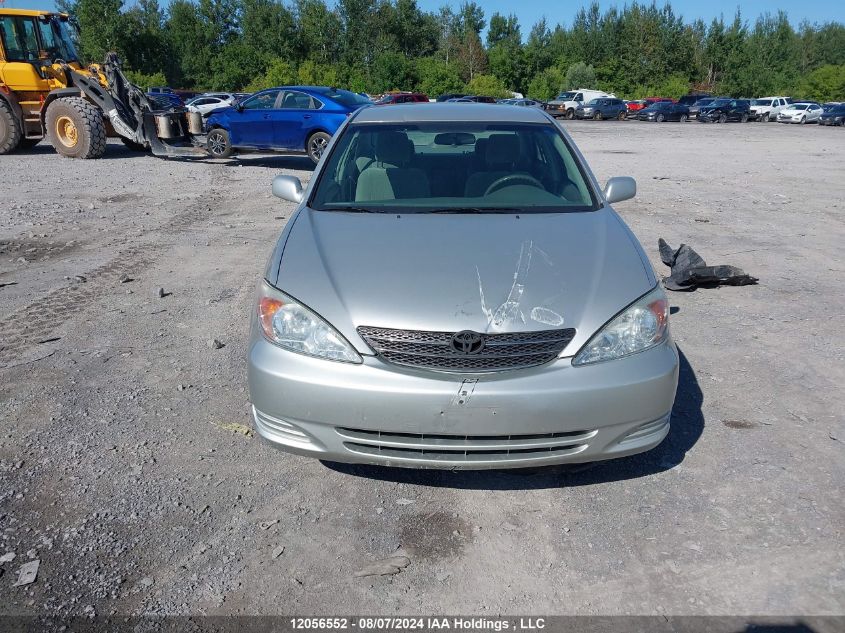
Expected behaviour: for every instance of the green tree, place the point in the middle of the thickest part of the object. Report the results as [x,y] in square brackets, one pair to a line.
[580,75]
[145,81]
[437,77]
[503,30]
[101,28]
[824,84]
[547,84]
[279,73]
[488,86]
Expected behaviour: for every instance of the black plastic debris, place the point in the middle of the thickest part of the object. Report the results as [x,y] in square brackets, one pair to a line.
[689,270]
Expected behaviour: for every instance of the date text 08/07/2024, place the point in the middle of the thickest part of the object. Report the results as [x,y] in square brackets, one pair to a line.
[418,623]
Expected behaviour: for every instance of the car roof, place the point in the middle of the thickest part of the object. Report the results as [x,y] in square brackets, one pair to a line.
[425,112]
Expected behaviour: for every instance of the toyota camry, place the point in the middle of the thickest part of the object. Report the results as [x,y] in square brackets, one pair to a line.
[454,290]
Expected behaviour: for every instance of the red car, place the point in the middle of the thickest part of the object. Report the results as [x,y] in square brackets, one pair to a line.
[641,104]
[402,97]
[650,100]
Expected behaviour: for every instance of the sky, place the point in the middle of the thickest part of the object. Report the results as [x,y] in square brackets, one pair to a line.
[555,11]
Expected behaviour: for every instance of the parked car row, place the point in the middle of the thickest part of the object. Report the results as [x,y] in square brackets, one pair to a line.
[304,118]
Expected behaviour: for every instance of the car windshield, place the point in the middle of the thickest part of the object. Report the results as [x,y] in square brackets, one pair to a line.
[800,106]
[345,98]
[566,96]
[836,109]
[703,102]
[762,102]
[472,167]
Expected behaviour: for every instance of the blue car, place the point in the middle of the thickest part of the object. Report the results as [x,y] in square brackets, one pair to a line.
[286,119]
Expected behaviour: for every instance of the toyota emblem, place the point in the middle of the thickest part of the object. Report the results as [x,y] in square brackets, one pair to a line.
[467,342]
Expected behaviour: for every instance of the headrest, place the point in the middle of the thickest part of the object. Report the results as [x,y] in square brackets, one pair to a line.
[393,148]
[502,149]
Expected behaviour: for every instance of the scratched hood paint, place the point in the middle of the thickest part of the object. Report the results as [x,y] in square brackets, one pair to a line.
[450,272]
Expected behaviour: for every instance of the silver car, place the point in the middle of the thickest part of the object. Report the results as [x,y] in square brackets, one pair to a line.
[455,291]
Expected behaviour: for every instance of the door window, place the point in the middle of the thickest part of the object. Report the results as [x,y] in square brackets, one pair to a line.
[297,101]
[262,101]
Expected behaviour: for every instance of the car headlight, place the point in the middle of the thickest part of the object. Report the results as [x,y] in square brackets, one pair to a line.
[643,324]
[294,327]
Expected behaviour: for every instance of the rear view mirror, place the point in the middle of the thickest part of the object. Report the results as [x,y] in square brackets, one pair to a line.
[454,138]
[619,189]
[287,188]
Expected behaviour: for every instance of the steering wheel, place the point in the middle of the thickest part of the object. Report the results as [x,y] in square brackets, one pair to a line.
[510,179]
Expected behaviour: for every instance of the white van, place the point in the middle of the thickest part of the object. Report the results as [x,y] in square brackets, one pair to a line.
[564,104]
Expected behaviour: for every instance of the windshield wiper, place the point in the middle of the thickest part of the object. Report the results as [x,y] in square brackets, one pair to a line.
[351,209]
[474,210]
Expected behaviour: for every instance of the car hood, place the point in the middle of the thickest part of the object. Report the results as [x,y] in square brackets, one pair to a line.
[452,272]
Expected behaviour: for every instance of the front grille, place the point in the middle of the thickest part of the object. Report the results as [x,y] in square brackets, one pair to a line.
[433,350]
[464,448]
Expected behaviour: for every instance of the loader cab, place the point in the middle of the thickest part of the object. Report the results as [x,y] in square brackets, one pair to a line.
[30,40]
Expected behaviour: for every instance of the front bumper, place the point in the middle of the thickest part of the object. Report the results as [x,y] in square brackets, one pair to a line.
[376,413]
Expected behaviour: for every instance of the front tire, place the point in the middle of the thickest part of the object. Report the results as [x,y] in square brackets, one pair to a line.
[743,118]
[723,118]
[570,114]
[621,116]
[597,116]
[316,145]
[10,130]
[766,118]
[660,118]
[683,118]
[803,120]
[218,143]
[75,128]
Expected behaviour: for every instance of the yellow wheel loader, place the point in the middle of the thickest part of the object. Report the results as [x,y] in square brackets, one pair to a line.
[46,92]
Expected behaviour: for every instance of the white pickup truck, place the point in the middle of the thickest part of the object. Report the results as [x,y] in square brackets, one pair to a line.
[564,104]
[767,108]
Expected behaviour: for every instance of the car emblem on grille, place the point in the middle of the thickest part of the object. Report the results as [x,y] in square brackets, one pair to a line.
[467,342]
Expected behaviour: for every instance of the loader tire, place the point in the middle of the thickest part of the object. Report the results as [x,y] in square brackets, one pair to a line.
[10,130]
[76,129]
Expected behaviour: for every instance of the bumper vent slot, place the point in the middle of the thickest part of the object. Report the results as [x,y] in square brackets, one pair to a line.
[464,448]
[433,350]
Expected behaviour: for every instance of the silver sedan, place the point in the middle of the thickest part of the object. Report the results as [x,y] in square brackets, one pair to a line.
[453,291]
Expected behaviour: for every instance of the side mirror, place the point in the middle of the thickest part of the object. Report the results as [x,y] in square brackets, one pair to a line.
[619,189]
[287,188]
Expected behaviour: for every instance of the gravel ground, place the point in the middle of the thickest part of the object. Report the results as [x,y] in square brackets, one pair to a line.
[128,469]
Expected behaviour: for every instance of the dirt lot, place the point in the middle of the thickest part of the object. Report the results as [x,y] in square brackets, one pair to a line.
[122,468]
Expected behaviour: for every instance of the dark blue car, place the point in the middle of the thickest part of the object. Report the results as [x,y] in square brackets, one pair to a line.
[286,119]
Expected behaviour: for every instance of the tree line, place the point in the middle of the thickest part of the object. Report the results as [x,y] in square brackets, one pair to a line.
[381,45]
